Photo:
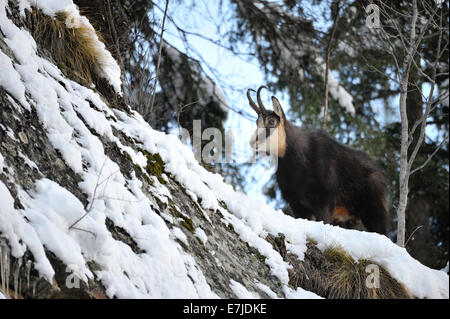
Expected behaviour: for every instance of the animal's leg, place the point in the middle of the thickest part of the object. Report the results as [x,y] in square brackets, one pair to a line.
[373,210]
[375,216]
[377,222]
[324,211]
[299,210]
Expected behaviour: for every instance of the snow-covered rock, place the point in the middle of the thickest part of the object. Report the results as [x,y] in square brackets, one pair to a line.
[85,210]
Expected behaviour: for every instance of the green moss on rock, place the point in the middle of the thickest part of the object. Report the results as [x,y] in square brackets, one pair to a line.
[155,165]
[187,223]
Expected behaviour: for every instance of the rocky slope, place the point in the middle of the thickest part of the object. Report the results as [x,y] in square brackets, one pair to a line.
[94,203]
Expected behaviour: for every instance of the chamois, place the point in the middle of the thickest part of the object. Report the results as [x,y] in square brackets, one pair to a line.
[319,177]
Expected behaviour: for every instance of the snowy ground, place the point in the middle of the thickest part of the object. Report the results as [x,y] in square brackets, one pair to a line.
[164,270]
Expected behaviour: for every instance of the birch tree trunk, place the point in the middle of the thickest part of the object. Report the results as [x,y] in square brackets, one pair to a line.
[404,174]
[404,165]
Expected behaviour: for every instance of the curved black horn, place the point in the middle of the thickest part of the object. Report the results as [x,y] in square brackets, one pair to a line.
[252,103]
[258,97]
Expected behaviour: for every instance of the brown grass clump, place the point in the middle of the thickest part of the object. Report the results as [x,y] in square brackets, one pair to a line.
[348,278]
[335,274]
[73,49]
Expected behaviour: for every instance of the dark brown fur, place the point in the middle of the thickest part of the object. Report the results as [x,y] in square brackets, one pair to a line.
[317,174]
[319,177]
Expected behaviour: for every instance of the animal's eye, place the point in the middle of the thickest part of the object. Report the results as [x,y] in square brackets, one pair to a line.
[272,122]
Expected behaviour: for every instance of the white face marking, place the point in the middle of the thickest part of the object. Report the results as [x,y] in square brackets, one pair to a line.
[254,140]
[270,144]
[263,144]
[274,143]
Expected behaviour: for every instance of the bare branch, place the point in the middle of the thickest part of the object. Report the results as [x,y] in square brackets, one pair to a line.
[430,157]
[413,232]
[181,108]
[161,41]
[97,184]
[428,105]
[327,66]
[113,33]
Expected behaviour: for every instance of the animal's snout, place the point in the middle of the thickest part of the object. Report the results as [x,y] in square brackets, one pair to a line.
[254,141]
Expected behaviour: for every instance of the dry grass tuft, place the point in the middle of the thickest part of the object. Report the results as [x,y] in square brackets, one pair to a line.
[348,278]
[73,49]
[335,274]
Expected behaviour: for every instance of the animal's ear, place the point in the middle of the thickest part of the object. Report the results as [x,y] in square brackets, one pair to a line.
[277,108]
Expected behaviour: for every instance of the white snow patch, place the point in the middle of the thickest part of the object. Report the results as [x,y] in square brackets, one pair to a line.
[10,79]
[200,234]
[446,268]
[178,234]
[27,161]
[21,235]
[266,289]
[299,293]
[9,132]
[241,292]
[335,89]
[2,161]
[164,270]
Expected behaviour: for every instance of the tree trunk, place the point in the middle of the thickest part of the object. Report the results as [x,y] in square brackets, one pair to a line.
[414,104]
[404,174]
[404,165]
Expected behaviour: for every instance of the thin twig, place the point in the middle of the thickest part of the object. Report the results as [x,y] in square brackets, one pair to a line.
[161,41]
[93,196]
[113,33]
[428,105]
[430,156]
[410,236]
[84,230]
[327,67]
[181,108]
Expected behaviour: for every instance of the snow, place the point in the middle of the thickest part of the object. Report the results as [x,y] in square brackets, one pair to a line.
[348,49]
[335,89]
[21,235]
[9,132]
[27,161]
[200,234]
[178,234]
[241,292]
[446,268]
[76,233]
[267,290]
[10,79]
[299,293]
